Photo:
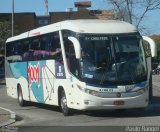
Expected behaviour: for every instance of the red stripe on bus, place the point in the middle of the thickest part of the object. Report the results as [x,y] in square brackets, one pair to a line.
[38,33]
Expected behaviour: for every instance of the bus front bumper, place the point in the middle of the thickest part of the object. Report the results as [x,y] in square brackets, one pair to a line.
[90,102]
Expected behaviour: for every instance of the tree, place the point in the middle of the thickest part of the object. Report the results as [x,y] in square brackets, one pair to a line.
[134,11]
[156,38]
[156,60]
[5,32]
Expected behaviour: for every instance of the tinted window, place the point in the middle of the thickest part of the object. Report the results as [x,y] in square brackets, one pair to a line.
[36,48]
[13,51]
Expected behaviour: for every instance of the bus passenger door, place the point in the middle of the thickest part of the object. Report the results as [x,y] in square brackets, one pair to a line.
[72,64]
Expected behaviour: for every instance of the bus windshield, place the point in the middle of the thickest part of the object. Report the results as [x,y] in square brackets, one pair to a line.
[117,59]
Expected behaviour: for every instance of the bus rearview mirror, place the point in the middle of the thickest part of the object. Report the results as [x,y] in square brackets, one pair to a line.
[152,45]
[77,46]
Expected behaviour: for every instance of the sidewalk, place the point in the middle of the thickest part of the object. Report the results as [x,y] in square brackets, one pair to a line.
[156,80]
[6,117]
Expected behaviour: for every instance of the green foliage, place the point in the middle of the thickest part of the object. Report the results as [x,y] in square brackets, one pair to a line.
[156,60]
[5,32]
[158,46]
[147,49]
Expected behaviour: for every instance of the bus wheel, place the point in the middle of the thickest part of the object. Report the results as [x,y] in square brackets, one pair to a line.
[66,111]
[20,97]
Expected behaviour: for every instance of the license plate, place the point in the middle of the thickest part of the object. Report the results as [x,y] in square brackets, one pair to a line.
[118,102]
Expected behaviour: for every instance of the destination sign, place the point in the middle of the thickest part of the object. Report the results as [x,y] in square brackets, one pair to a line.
[96,38]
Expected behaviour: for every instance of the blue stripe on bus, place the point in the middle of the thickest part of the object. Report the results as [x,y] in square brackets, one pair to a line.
[19,69]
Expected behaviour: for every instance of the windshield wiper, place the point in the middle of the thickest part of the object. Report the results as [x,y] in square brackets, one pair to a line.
[131,76]
[104,75]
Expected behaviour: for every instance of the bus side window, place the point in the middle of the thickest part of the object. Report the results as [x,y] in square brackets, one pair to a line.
[71,57]
[14,52]
[25,50]
[44,53]
[35,48]
[34,45]
[9,51]
[73,61]
[39,50]
[55,51]
[18,54]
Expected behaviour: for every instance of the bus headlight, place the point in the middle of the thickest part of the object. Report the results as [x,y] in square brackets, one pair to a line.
[89,91]
[139,90]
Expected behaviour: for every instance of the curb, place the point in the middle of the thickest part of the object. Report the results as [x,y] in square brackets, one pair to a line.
[12,117]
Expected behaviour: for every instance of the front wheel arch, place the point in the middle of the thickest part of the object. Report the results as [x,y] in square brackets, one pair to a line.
[62,101]
[60,89]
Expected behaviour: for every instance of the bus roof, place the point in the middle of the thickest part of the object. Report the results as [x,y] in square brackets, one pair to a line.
[81,26]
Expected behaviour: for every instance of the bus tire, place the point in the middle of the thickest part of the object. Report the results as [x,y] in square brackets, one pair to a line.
[21,101]
[63,103]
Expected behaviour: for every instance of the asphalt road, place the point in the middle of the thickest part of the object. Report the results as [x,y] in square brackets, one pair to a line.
[44,115]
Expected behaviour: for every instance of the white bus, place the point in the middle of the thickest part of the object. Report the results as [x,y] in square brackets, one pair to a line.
[80,64]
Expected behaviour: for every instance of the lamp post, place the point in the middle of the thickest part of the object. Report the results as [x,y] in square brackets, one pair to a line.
[12,17]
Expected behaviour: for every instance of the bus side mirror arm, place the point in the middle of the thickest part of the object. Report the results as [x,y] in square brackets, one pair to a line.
[77,46]
[152,45]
